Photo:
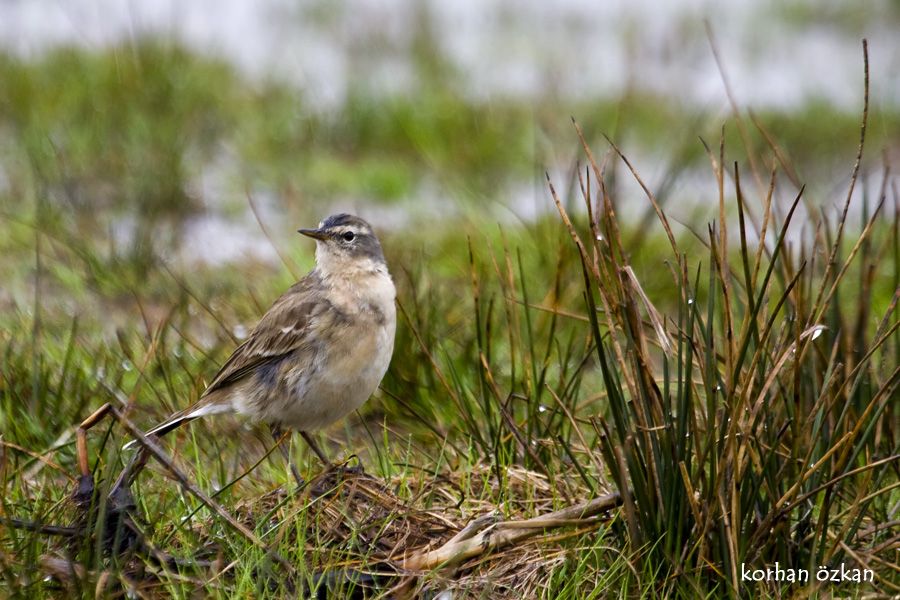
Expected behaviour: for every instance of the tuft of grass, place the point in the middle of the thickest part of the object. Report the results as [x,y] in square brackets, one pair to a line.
[758,423]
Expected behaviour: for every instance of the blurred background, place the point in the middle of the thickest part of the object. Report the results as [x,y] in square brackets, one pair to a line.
[151,123]
[159,153]
[158,156]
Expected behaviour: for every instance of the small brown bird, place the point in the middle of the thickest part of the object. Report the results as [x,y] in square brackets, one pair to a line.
[321,350]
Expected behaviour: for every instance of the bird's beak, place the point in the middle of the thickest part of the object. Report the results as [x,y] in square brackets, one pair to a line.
[317,234]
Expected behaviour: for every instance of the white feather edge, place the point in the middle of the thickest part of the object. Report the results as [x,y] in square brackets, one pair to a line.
[209,409]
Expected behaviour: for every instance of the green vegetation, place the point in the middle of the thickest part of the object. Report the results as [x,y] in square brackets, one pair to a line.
[741,398]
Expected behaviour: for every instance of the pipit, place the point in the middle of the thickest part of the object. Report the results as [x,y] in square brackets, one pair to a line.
[320,351]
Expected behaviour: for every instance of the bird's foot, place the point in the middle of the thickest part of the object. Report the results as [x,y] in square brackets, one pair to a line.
[345,469]
[298,479]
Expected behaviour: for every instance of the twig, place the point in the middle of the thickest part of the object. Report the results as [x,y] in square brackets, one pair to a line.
[496,535]
[40,527]
[474,526]
[153,448]
[41,458]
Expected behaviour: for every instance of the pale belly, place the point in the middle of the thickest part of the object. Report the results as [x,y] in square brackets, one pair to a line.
[334,382]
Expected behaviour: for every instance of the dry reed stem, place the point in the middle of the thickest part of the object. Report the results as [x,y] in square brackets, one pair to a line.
[504,533]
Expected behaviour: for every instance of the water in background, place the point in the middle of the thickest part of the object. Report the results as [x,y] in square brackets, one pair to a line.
[777,53]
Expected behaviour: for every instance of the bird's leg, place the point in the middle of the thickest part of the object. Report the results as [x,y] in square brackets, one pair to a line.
[129,474]
[357,469]
[282,441]
[315,448]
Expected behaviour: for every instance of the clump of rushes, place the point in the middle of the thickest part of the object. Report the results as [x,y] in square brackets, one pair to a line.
[758,423]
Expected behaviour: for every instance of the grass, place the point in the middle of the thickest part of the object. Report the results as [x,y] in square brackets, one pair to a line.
[737,389]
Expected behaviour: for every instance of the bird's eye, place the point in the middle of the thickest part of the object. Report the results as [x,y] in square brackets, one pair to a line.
[348,236]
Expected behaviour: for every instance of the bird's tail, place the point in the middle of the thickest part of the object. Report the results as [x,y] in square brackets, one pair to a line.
[200,409]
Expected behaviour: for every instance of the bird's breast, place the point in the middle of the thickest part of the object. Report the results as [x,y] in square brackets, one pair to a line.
[360,352]
[354,345]
[365,341]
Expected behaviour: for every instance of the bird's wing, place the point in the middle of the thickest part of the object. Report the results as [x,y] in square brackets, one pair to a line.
[284,328]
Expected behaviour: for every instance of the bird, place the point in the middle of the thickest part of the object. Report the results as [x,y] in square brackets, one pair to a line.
[322,348]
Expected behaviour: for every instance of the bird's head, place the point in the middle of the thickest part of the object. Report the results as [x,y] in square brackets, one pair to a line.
[345,244]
